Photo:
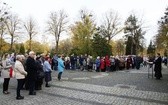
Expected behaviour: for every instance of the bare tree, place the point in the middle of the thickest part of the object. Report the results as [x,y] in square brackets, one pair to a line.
[3,16]
[13,27]
[2,32]
[111,25]
[31,30]
[56,25]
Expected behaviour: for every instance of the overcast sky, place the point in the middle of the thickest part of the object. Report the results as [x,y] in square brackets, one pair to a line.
[148,10]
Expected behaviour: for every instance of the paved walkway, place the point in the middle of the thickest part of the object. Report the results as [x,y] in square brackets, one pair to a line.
[90,88]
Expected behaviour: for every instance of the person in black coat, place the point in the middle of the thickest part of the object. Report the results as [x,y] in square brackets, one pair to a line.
[138,61]
[158,66]
[32,72]
[72,60]
[40,74]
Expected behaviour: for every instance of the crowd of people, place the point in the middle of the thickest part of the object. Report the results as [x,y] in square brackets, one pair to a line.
[111,63]
[31,70]
[106,63]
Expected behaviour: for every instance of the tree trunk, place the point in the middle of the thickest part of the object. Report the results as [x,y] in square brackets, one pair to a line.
[108,41]
[30,43]
[1,43]
[11,46]
[57,41]
[129,46]
[1,47]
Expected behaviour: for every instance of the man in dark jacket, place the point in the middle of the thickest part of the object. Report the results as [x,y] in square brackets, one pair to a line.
[158,66]
[138,61]
[32,72]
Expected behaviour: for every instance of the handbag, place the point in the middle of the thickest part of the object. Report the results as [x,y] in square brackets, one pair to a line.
[11,72]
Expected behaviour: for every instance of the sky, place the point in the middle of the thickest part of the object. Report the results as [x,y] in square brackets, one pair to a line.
[150,11]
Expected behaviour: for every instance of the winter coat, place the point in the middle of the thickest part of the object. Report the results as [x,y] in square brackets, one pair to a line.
[47,70]
[60,65]
[20,72]
[102,64]
[47,67]
[40,72]
[107,61]
[31,69]
[6,68]
[97,62]
[158,67]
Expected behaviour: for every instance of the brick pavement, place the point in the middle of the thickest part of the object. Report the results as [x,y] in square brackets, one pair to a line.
[91,88]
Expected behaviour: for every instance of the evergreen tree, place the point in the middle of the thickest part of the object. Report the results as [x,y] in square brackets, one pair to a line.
[133,30]
[82,33]
[22,49]
[100,45]
[129,46]
[151,49]
[162,36]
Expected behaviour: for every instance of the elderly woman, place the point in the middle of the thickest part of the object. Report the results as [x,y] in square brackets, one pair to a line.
[60,67]
[6,65]
[47,71]
[20,74]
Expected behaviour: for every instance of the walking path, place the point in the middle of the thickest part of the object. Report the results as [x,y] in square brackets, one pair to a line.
[91,88]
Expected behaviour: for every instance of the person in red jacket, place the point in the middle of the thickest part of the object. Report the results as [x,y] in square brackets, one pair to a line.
[102,64]
[107,63]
